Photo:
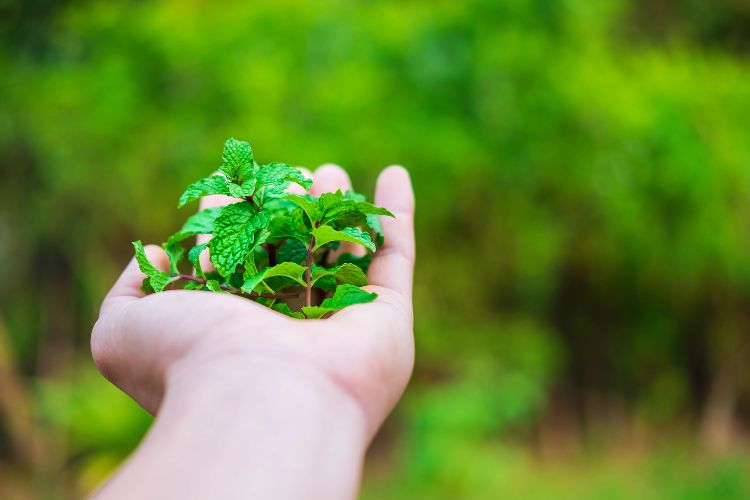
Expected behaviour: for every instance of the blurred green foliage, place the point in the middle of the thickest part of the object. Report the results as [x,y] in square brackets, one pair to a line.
[582,170]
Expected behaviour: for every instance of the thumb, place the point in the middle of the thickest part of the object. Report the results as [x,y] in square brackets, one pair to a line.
[127,288]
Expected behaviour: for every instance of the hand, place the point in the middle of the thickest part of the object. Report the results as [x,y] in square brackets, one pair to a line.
[361,358]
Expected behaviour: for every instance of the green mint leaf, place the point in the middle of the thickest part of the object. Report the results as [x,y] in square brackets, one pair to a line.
[192,285]
[326,234]
[372,215]
[284,308]
[285,269]
[372,219]
[175,252]
[245,174]
[326,283]
[289,270]
[348,210]
[289,226]
[250,265]
[238,160]
[157,279]
[274,179]
[146,285]
[348,295]
[252,282]
[251,268]
[216,184]
[364,206]
[315,312]
[194,258]
[345,214]
[373,222]
[345,273]
[308,204]
[288,222]
[345,295]
[279,173]
[199,223]
[355,196]
[362,262]
[214,286]
[234,232]
[292,251]
[329,200]
[368,208]
[263,234]
[246,189]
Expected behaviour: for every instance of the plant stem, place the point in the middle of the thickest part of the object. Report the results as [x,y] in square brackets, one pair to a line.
[308,272]
[271,249]
[237,291]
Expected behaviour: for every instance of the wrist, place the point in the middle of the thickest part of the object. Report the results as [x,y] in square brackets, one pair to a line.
[262,385]
[235,374]
[270,429]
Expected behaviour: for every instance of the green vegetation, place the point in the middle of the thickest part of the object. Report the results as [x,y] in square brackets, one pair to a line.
[270,240]
[581,172]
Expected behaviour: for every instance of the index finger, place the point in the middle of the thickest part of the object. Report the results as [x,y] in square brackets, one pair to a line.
[393,264]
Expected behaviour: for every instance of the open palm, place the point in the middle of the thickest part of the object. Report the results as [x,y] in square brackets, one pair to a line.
[366,350]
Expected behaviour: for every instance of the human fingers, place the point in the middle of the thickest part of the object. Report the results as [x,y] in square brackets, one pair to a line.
[330,178]
[127,288]
[393,264]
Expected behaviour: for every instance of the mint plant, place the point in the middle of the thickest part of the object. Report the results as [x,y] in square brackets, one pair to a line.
[271,246]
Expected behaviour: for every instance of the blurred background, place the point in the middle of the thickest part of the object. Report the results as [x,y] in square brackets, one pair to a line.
[582,170]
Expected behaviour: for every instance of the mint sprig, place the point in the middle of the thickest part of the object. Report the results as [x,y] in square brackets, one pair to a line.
[272,246]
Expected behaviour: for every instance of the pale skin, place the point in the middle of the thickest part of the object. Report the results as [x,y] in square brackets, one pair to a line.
[250,403]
